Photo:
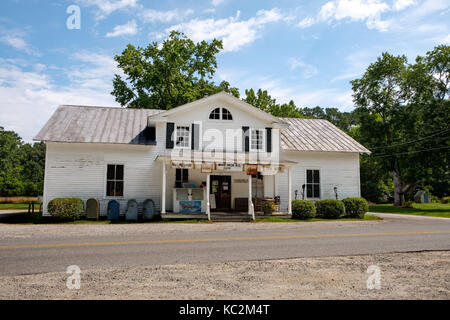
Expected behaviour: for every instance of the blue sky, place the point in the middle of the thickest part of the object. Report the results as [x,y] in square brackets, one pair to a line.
[307,51]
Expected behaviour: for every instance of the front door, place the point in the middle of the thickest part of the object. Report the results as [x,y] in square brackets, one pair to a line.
[221,188]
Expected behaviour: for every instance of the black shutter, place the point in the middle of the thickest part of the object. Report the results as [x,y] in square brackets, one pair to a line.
[195,142]
[169,133]
[246,138]
[269,139]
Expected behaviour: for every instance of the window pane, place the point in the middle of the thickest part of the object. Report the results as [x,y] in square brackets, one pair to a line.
[309,193]
[215,114]
[316,176]
[316,191]
[185,175]
[309,176]
[226,115]
[119,188]
[110,188]
[119,172]
[111,172]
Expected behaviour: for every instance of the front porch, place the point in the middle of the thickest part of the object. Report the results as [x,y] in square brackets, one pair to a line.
[231,216]
[214,189]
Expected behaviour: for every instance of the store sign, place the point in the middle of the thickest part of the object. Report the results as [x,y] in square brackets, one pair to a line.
[270,169]
[182,165]
[251,169]
[207,167]
[229,167]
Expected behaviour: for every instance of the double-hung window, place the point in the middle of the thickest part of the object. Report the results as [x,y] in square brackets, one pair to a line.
[182,137]
[114,180]
[256,140]
[313,184]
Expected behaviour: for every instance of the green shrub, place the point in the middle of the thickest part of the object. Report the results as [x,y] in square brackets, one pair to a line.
[407,204]
[445,200]
[66,208]
[330,209]
[303,209]
[355,207]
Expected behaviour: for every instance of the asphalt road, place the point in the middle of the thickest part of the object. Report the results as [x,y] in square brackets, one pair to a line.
[51,248]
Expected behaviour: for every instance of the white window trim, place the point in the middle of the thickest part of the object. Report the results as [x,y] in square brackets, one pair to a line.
[320,184]
[176,136]
[105,185]
[263,140]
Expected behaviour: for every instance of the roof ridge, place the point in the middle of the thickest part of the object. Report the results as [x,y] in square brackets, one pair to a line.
[106,107]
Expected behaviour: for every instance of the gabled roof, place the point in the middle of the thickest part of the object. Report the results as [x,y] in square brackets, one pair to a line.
[97,124]
[317,135]
[127,126]
[225,97]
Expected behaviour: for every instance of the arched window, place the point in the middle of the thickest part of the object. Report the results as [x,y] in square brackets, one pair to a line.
[226,115]
[215,114]
[220,114]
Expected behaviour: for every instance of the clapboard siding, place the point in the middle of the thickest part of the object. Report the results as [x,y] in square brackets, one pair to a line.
[337,169]
[79,170]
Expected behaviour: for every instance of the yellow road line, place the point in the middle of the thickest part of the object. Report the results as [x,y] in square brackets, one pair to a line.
[305,236]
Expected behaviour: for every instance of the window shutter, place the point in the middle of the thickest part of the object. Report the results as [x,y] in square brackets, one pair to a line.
[169,133]
[246,139]
[269,139]
[195,142]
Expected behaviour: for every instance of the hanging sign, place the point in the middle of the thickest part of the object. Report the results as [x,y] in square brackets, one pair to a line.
[229,166]
[270,169]
[207,167]
[251,169]
[182,165]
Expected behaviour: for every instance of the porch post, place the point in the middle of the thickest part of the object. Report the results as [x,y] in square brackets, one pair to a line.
[251,208]
[289,191]
[208,205]
[163,194]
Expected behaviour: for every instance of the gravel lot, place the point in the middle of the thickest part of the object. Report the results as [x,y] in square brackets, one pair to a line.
[421,275]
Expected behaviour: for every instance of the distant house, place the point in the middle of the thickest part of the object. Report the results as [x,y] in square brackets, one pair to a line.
[217,153]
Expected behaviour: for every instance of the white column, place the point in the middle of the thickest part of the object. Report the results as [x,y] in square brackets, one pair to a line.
[163,193]
[289,191]
[251,209]
[208,205]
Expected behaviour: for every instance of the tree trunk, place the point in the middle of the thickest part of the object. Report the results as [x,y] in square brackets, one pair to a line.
[398,188]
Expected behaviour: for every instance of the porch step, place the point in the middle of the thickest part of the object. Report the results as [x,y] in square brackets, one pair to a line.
[230,217]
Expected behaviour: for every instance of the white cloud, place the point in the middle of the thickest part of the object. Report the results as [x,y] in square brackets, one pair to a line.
[30,97]
[106,7]
[216,2]
[151,15]
[234,33]
[15,39]
[306,22]
[127,29]
[307,70]
[399,5]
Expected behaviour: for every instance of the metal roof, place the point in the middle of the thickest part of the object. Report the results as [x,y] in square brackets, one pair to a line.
[317,135]
[97,124]
[128,126]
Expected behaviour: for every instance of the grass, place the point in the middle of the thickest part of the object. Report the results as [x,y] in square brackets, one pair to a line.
[420,209]
[37,218]
[276,219]
[17,206]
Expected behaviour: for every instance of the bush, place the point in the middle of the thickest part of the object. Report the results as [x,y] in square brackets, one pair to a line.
[303,209]
[407,204]
[66,208]
[355,207]
[330,209]
[445,200]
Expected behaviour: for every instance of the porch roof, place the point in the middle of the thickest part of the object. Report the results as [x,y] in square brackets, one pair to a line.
[240,158]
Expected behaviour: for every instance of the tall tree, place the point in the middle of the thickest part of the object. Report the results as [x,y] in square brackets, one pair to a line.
[164,76]
[395,101]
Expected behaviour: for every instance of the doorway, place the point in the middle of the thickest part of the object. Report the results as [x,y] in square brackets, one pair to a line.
[221,188]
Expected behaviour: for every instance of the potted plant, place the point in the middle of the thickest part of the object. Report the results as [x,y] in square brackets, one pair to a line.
[268,207]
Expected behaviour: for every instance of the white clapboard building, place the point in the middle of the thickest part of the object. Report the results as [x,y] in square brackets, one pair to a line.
[215,154]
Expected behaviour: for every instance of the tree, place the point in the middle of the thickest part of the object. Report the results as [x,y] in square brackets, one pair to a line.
[168,75]
[398,103]
[21,166]
[265,102]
